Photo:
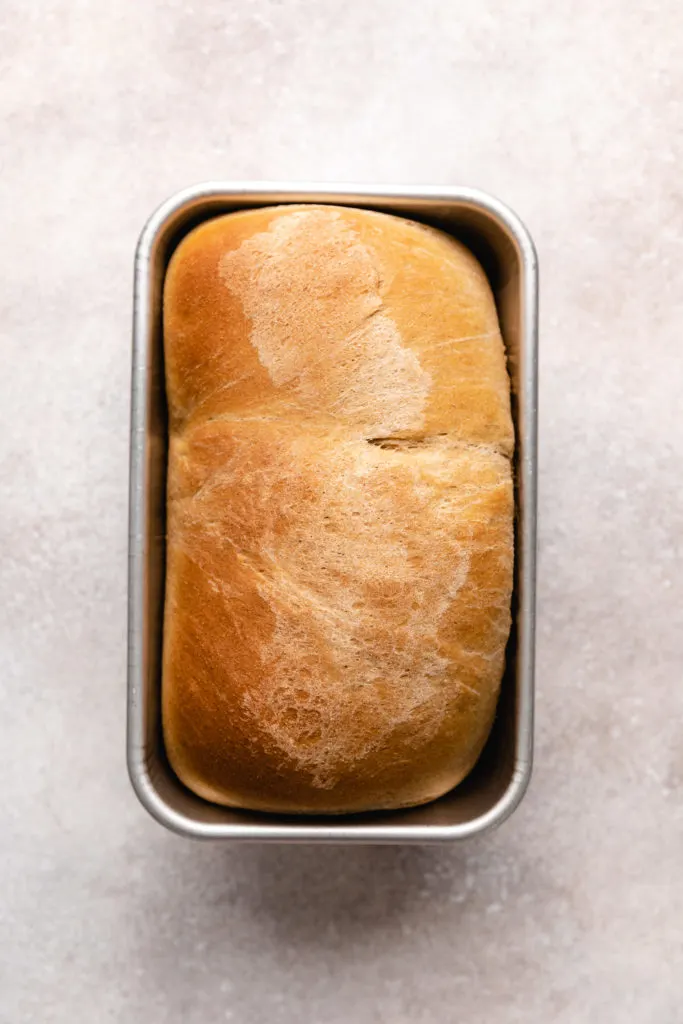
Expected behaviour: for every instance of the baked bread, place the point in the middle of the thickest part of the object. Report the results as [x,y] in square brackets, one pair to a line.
[340,510]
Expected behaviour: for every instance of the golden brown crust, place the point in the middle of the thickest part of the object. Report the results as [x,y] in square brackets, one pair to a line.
[339,510]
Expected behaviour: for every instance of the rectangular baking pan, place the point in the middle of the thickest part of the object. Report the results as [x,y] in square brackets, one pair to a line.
[499,780]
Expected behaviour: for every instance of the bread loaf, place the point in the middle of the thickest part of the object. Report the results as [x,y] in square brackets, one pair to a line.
[340,510]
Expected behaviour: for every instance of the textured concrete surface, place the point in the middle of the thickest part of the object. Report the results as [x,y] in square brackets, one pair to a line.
[572,113]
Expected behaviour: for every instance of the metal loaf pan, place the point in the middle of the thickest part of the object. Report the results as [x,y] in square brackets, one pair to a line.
[499,780]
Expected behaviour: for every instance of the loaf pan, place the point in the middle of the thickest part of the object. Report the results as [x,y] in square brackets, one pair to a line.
[498,782]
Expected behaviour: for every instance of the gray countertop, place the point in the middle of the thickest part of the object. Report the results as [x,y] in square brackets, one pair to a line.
[572,114]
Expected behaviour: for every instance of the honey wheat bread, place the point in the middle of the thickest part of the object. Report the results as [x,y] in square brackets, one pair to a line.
[340,547]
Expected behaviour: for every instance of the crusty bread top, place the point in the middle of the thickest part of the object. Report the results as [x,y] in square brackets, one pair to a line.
[340,510]
[370,322]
